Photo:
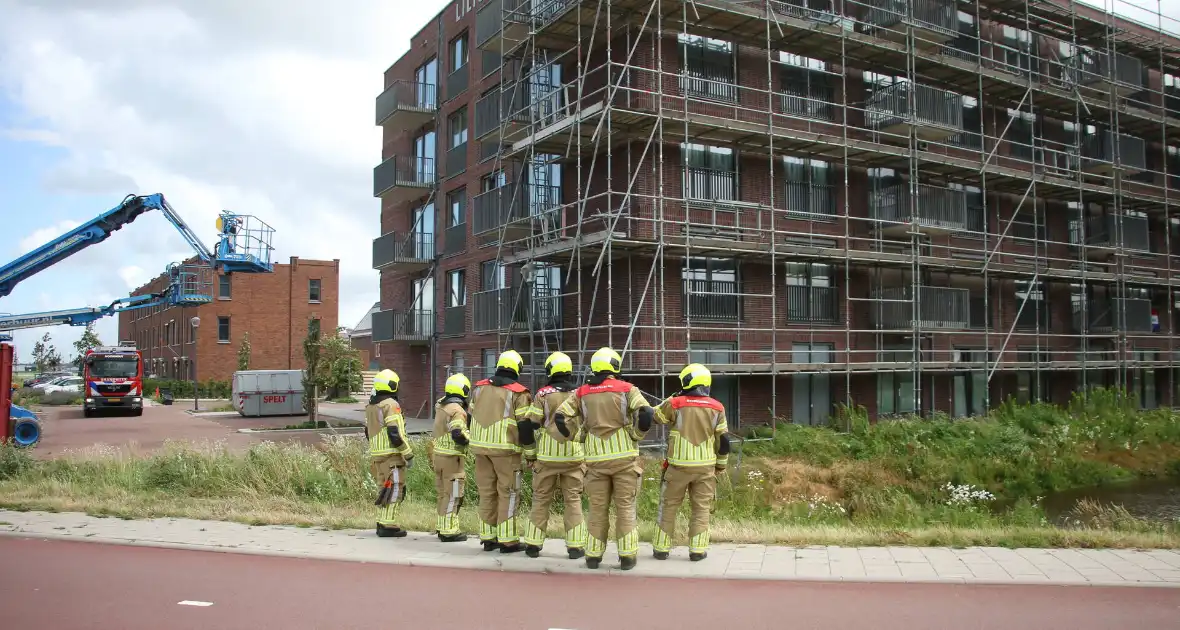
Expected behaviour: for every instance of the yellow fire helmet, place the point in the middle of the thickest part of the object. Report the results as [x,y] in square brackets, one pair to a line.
[386,381]
[695,375]
[457,385]
[606,360]
[510,360]
[558,363]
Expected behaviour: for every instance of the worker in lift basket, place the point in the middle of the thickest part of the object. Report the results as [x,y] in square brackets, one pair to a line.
[451,439]
[390,454]
[498,404]
[558,463]
[698,450]
[613,416]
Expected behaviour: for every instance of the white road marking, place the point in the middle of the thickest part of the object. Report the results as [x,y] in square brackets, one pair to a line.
[189,602]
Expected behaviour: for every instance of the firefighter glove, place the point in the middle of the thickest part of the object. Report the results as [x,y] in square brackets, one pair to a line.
[459,438]
[723,446]
[646,416]
[526,429]
[395,438]
[559,420]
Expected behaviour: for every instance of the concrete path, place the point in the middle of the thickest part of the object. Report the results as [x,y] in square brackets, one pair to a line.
[863,564]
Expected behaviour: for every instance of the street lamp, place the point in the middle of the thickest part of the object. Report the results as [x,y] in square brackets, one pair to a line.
[196,323]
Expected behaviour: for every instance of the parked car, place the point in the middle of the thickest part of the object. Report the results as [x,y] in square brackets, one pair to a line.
[72,384]
[44,378]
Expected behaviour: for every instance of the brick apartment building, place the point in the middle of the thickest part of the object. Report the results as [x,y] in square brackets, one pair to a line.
[916,206]
[275,308]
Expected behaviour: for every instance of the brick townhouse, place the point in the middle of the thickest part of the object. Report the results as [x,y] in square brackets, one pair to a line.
[918,206]
[276,309]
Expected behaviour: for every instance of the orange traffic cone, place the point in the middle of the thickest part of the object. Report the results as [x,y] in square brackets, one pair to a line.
[157,392]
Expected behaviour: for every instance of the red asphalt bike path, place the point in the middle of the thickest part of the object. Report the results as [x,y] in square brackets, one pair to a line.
[67,585]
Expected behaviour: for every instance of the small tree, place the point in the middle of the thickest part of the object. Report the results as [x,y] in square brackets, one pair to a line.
[88,341]
[340,367]
[45,355]
[244,353]
[311,356]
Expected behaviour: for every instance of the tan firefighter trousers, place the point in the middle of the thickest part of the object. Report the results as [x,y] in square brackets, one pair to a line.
[614,481]
[497,477]
[549,478]
[700,483]
[449,478]
[382,470]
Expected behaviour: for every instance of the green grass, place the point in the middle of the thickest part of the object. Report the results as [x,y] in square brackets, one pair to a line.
[345,400]
[912,482]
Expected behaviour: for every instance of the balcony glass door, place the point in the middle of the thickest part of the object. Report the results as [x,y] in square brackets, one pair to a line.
[811,400]
[427,79]
[425,151]
[422,232]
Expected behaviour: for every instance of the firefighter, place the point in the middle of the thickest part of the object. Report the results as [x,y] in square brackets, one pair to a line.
[611,416]
[497,406]
[390,454]
[450,444]
[698,450]
[557,462]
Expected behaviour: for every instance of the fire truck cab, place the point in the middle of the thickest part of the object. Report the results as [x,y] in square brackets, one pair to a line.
[112,380]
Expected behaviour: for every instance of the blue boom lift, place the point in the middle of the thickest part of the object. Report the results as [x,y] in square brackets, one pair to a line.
[243,246]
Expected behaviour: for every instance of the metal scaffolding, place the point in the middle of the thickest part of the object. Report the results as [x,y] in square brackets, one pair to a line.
[964,199]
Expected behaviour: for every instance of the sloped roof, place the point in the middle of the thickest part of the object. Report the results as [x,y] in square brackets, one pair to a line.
[365,326]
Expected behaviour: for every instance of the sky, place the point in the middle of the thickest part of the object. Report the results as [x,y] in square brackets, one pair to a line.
[265,107]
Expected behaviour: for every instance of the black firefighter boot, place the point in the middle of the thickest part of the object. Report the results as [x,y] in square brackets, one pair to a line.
[697,557]
[390,532]
[627,563]
[490,545]
[592,563]
[449,538]
[532,551]
[660,555]
[512,548]
[576,552]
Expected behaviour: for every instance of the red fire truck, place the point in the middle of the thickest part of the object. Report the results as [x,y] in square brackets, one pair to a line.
[113,379]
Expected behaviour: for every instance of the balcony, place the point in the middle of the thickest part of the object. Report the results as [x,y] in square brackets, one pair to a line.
[407,105]
[934,211]
[458,81]
[455,240]
[456,160]
[810,201]
[517,309]
[408,252]
[1103,233]
[712,300]
[1098,69]
[934,22]
[502,113]
[1105,151]
[502,24]
[1113,314]
[935,114]
[937,308]
[455,320]
[818,11]
[813,305]
[415,326]
[510,205]
[403,177]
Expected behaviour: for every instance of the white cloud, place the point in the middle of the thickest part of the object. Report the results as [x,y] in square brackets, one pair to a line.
[264,107]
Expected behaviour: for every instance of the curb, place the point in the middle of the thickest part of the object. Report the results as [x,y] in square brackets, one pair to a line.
[575,567]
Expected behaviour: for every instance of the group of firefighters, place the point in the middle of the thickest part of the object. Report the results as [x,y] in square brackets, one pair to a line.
[575,439]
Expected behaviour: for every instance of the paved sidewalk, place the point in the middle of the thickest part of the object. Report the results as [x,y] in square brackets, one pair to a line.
[989,565]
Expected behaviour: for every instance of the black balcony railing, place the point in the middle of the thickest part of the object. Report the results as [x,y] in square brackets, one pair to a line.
[455,320]
[394,247]
[932,308]
[505,104]
[810,199]
[712,78]
[403,171]
[934,207]
[934,15]
[407,96]
[808,95]
[815,10]
[1088,67]
[458,81]
[488,22]
[1106,230]
[1118,149]
[519,309]
[493,310]
[455,239]
[709,184]
[712,300]
[511,203]
[456,160]
[813,305]
[398,325]
[931,107]
[1113,314]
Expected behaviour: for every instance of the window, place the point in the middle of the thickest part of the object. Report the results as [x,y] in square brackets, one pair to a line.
[313,290]
[895,390]
[1029,224]
[422,231]
[457,204]
[710,173]
[224,288]
[1020,134]
[222,330]
[809,190]
[811,400]
[966,44]
[457,123]
[545,94]
[1019,48]
[192,333]
[458,362]
[970,389]
[976,217]
[489,361]
[544,177]
[1031,305]
[811,298]
[807,91]
[425,150]
[1143,380]
[724,388]
[456,288]
[493,275]
[1033,385]
[711,289]
[545,284]
[459,52]
[972,134]
[422,294]
[492,181]
[313,326]
[426,77]
[709,68]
